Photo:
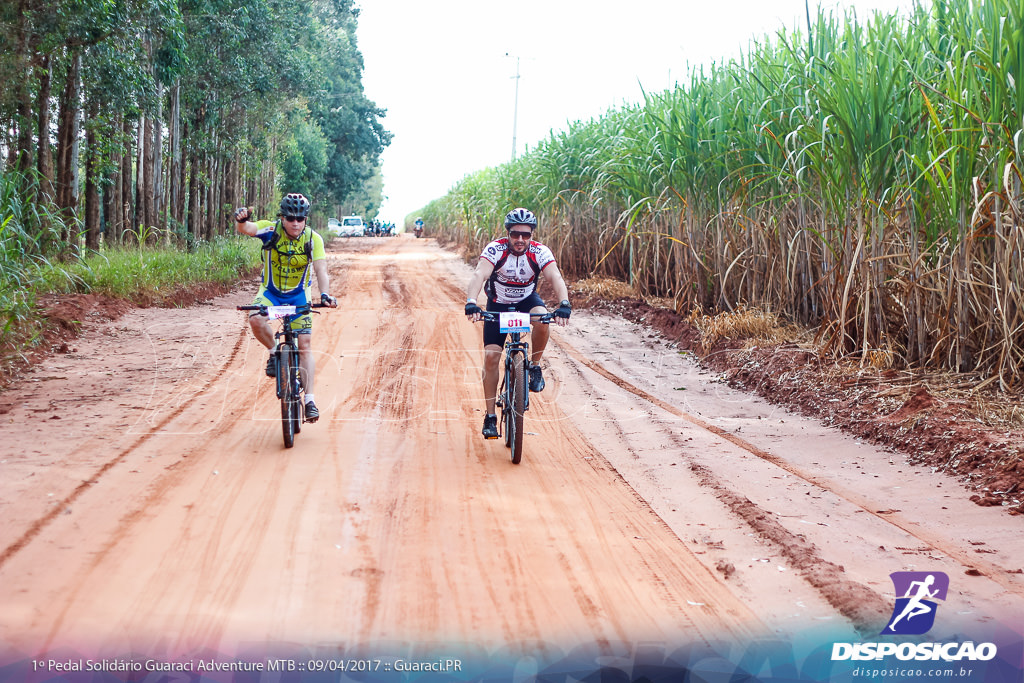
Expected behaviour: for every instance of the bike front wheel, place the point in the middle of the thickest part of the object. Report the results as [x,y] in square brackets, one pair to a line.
[296,392]
[516,408]
[289,401]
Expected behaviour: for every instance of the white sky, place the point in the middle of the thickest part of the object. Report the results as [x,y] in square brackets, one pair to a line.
[441,70]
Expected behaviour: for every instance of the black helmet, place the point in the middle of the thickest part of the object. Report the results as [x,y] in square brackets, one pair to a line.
[295,204]
[520,217]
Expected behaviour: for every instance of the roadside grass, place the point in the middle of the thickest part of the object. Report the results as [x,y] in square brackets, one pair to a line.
[151,275]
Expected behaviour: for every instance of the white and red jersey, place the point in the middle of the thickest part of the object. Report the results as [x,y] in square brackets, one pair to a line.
[514,277]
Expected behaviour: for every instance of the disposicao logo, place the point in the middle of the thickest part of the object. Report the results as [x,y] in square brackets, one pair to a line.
[914,613]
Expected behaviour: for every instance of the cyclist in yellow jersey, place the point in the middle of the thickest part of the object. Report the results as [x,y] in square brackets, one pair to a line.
[292,253]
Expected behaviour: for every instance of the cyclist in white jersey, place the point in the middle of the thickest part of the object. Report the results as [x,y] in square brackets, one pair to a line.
[507,271]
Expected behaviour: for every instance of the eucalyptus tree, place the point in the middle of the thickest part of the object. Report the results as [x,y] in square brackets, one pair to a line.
[240,67]
[349,121]
[51,51]
[273,90]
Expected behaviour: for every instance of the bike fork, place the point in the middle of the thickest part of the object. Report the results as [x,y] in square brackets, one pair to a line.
[277,372]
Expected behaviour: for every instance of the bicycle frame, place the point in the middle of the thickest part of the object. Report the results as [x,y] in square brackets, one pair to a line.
[513,343]
[514,394]
[287,379]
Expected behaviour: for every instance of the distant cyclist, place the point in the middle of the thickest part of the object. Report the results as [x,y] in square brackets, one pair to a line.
[292,252]
[508,270]
[419,227]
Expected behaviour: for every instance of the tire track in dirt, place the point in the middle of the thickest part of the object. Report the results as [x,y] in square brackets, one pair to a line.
[393,388]
[159,488]
[40,524]
[382,391]
[822,574]
[866,610]
[662,566]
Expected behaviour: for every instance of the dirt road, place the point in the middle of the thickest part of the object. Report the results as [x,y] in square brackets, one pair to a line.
[149,504]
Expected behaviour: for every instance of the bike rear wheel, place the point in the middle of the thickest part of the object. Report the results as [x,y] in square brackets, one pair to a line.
[517,404]
[288,400]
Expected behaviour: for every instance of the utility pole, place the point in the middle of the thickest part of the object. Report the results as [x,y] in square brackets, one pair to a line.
[515,109]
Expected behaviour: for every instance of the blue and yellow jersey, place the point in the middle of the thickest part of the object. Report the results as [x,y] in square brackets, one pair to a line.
[288,263]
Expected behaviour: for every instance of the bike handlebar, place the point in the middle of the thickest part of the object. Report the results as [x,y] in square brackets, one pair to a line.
[299,310]
[492,316]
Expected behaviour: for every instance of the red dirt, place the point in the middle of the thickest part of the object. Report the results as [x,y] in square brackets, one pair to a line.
[159,509]
[944,433]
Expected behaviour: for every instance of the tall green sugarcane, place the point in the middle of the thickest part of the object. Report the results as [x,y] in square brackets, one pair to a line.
[862,176]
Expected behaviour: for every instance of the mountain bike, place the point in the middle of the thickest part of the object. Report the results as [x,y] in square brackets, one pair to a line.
[513,399]
[286,365]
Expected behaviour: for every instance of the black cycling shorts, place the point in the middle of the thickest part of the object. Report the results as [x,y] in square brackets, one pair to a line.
[491,333]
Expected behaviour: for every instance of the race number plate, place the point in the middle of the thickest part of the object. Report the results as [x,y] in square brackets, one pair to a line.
[514,322]
[275,312]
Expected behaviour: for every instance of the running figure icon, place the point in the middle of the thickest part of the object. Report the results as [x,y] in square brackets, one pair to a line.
[914,612]
[916,607]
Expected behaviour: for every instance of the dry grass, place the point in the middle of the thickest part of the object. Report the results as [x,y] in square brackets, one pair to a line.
[748,324]
[880,370]
[611,289]
[880,359]
[604,288]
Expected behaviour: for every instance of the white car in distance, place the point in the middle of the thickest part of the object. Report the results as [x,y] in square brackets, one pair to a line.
[352,226]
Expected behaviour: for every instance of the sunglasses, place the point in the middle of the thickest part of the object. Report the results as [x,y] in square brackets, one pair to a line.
[294,219]
[515,234]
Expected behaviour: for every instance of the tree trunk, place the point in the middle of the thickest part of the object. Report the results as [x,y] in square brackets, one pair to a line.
[92,187]
[22,93]
[139,221]
[183,180]
[195,217]
[44,155]
[230,183]
[157,154]
[112,194]
[207,196]
[176,178]
[148,181]
[67,150]
[124,207]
